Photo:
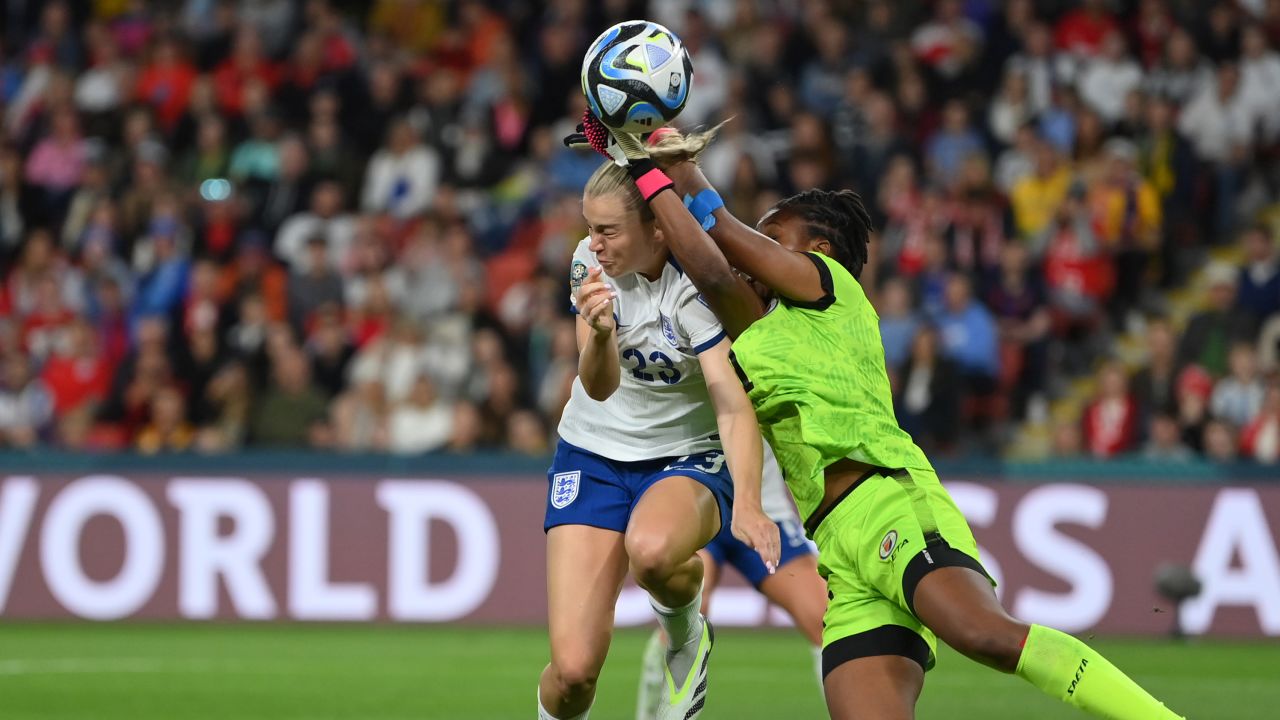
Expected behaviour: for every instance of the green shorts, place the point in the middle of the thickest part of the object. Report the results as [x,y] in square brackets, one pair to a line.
[874,547]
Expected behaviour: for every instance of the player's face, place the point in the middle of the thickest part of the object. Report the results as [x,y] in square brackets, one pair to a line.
[791,232]
[622,241]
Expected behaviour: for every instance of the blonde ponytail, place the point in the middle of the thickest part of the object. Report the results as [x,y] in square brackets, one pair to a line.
[676,146]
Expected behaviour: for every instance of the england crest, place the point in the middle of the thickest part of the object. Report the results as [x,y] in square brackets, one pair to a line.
[668,331]
[564,488]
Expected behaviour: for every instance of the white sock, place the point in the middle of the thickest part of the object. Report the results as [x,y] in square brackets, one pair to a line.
[683,625]
[544,715]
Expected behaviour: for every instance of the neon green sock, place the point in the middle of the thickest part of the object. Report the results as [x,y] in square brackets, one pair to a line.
[1067,669]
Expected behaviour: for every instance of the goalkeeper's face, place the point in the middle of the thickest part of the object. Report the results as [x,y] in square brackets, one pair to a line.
[622,239]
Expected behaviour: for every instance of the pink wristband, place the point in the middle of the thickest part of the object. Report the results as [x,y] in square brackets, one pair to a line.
[652,183]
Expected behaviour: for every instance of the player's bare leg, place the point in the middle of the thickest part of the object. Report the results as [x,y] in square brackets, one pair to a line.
[883,687]
[585,570]
[961,607]
[797,588]
[669,524]
[674,518]
[649,694]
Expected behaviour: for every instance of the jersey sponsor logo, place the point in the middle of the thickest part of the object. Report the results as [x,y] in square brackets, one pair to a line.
[669,331]
[888,544]
[564,488]
[577,274]
[1084,663]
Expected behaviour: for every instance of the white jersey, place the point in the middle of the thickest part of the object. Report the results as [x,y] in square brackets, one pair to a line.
[661,407]
[775,498]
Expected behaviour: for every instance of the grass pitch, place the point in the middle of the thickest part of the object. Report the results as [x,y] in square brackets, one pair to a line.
[145,672]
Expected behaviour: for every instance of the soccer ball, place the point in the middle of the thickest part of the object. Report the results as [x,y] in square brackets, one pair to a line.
[636,76]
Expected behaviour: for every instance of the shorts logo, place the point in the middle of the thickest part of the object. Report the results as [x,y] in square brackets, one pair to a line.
[668,331]
[887,545]
[564,488]
[577,273]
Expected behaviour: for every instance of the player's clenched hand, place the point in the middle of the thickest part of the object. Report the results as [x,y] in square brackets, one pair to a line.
[753,527]
[594,299]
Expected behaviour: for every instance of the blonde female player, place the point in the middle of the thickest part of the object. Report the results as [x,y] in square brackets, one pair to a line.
[795,586]
[900,561]
[639,479]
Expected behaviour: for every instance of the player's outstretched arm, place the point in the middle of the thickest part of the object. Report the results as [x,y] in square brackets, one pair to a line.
[784,271]
[727,294]
[744,450]
[734,303]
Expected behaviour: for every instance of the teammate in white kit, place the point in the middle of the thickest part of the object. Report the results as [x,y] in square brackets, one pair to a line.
[639,478]
[796,586]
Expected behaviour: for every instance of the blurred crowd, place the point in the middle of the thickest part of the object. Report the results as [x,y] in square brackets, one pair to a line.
[289,223]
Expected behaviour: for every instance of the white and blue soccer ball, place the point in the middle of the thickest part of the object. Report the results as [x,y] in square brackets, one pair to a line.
[636,76]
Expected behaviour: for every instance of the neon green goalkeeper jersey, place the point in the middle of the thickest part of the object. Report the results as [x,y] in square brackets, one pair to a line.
[815,373]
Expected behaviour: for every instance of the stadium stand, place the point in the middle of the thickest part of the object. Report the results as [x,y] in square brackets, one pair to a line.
[347,226]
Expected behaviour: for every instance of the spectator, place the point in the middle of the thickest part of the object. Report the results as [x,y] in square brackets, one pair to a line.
[956,141]
[950,42]
[1237,398]
[1066,442]
[360,416]
[325,220]
[1108,78]
[330,350]
[246,64]
[1084,31]
[292,412]
[1212,331]
[1036,199]
[422,422]
[1110,425]
[56,165]
[402,177]
[166,81]
[1260,79]
[1220,124]
[1220,442]
[1153,385]
[1260,439]
[1044,69]
[26,405]
[1078,279]
[1011,110]
[898,322]
[1165,444]
[1194,386]
[1169,165]
[1182,74]
[1126,213]
[1259,283]
[168,429]
[313,284]
[1017,299]
[1017,161]
[927,398]
[968,335]
[526,433]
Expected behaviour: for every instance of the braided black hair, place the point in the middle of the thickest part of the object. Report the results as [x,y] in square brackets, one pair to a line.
[840,217]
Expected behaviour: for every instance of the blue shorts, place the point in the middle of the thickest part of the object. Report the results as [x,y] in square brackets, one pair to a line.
[725,548]
[587,489]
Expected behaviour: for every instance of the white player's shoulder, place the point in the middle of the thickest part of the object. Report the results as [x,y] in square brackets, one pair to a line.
[583,250]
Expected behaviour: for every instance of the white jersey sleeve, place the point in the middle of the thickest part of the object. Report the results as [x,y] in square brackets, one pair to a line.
[698,322]
[775,498]
[661,407]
